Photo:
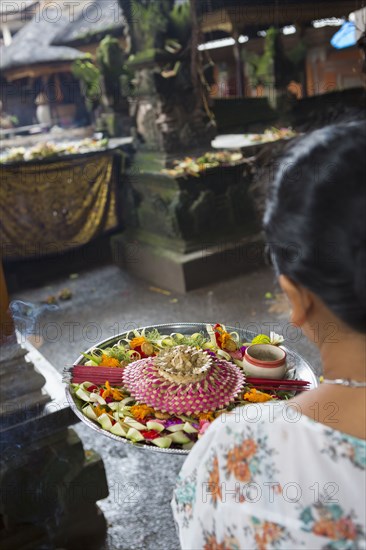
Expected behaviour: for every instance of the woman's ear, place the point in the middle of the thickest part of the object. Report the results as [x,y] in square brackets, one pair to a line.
[300,299]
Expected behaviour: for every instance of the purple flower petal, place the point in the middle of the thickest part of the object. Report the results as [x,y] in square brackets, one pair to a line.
[173,422]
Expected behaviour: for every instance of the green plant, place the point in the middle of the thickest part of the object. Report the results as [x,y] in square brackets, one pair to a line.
[111,61]
[110,57]
[260,68]
[266,61]
[180,22]
[89,76]
[150,19]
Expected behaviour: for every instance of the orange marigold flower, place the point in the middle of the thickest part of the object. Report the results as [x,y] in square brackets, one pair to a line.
[140,412]
[256,396]
[137,342]
[112,392]
[225,340]
[109,361]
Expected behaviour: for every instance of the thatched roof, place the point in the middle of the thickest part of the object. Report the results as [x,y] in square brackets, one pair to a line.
[32,44]
[10,9]
[48,38]
[91,21]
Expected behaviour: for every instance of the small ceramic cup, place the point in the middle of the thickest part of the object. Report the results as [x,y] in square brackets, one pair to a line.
[264,361]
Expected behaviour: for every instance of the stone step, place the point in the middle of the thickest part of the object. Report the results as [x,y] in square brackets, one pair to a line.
[24,537]
[14,383]
[89,484]
[84,529]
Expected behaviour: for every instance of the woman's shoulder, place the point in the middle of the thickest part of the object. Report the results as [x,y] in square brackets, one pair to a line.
[283,431]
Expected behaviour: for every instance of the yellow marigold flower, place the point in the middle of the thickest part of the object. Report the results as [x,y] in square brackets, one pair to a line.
[140,412]
[256,396]
[161,416]
[137,342]
[109,361]
[206,416]
[225,338]
[98,410]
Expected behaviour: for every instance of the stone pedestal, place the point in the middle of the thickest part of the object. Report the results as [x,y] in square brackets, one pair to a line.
[49,484]
[184,233]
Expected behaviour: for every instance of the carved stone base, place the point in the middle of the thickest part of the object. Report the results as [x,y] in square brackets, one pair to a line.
[183,214]
[183,272]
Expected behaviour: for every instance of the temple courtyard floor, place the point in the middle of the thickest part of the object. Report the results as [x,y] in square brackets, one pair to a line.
[105,301]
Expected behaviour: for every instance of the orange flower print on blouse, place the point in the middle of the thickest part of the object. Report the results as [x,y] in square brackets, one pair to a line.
[341,529]
[248,448]
[229,543]
[267,533]
[238,460]
[212,544]
[330,521]
[214,481]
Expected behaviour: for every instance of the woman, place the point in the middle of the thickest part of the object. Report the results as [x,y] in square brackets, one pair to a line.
[293,476]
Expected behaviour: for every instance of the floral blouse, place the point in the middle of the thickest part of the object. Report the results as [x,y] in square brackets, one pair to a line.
[265,476]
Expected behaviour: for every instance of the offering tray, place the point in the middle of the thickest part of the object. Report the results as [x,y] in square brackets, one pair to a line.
[296,364]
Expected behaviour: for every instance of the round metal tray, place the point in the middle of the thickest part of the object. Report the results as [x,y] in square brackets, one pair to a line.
[294,361]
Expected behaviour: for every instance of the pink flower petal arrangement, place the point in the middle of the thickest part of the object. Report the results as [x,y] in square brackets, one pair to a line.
[183,392]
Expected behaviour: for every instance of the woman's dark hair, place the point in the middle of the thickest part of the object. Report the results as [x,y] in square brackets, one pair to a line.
[315,220]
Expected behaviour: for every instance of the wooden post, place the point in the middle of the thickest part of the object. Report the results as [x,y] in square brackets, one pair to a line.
[6,321]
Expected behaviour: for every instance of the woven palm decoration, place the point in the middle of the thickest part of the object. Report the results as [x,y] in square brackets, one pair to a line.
[183,380]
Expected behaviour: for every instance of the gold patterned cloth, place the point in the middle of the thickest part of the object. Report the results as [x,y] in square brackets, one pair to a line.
[51,206]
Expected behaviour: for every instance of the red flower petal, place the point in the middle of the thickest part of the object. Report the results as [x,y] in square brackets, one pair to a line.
[150,434]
